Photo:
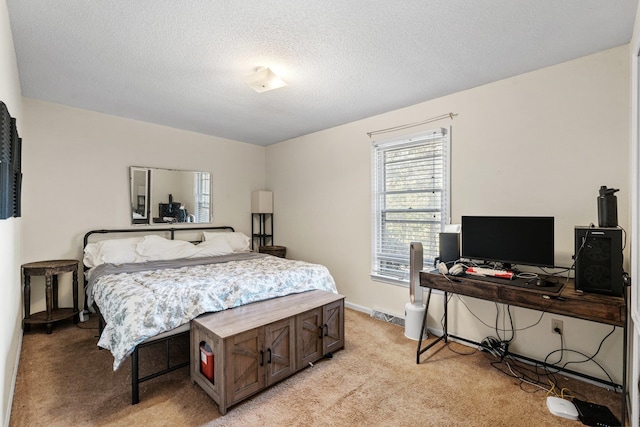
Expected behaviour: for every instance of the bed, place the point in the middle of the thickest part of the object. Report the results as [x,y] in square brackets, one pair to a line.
[147,288]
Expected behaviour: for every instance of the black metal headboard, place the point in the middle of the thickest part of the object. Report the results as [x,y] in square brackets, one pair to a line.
[171,230]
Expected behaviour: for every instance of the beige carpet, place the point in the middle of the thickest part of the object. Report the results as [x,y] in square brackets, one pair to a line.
[64,379]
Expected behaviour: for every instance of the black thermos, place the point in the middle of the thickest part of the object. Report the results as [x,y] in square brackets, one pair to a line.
[607,207]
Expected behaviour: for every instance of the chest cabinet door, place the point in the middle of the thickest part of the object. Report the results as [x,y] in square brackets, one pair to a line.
[309,337]
[279,347]
[333,326]
[244,372]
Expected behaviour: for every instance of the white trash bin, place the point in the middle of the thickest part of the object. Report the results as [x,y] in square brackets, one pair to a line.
[413,314]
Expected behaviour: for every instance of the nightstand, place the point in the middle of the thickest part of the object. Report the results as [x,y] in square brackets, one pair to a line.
[279,251]
[50,270]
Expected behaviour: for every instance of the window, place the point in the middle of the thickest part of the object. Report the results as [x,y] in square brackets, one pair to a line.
[410,200]
[202,186]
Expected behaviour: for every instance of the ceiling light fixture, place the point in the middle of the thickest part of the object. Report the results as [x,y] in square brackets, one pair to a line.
[263,79]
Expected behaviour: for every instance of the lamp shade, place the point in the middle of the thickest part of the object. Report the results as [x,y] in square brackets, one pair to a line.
[262,202]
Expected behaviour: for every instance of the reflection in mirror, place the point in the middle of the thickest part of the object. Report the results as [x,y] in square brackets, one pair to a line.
[174,196]
[139,178]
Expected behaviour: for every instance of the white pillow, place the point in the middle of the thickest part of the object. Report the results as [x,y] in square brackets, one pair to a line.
[237,240]
[213,247]
[156,248]
[112,251]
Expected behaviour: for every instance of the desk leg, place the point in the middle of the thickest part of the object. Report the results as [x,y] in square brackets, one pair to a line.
[424,323]
[623,405]
[27,301]
[446,317]
[49,298]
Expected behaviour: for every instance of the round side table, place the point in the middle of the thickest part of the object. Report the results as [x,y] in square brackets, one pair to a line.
[279,251]
[50,270]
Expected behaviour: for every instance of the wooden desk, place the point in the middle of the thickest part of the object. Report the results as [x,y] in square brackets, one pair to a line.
[605,309]
[588,306]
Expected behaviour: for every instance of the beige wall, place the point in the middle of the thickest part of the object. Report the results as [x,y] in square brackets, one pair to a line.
[541,143]
[76,177]
[634,343]
[11,301]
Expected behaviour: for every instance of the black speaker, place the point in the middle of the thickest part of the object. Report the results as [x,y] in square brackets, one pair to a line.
[598,260]
[449,247]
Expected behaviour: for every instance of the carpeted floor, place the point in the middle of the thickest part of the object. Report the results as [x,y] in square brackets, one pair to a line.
[64,379]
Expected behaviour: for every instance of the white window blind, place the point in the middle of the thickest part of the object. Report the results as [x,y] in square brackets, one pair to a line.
[410,200]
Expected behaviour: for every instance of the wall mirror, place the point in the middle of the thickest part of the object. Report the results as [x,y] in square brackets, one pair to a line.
[169,196]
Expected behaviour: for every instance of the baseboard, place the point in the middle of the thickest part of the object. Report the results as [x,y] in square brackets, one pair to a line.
[377,314]
[14,378]
[357,307]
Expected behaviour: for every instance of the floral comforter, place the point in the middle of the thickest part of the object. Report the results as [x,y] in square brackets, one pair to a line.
[140,301]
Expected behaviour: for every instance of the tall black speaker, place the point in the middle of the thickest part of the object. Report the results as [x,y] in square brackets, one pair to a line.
[449,248]
[598,259]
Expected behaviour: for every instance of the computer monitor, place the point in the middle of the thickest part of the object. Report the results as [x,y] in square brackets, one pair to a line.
[525,240]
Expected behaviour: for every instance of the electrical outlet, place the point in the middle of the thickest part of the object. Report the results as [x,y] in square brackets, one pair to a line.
[556,326]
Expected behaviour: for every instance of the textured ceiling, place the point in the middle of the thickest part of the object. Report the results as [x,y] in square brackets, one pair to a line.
[182,63]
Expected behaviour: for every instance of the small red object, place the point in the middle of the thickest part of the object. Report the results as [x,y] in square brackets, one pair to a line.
[206,361]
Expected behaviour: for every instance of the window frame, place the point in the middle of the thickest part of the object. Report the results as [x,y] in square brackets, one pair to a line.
[378,148]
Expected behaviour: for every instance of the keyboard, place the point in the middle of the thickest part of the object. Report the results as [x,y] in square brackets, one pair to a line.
[479,271]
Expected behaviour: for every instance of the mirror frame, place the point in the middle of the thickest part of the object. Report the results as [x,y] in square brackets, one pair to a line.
[149,188]
[135,181]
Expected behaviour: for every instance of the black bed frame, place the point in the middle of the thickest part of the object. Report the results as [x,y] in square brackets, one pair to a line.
[135,371]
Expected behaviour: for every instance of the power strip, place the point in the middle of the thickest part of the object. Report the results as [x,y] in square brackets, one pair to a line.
[495,347]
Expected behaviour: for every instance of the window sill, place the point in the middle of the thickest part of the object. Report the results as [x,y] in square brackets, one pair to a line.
[390,280]
[404,284]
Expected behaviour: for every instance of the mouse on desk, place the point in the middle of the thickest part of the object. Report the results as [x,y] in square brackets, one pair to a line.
[543,283]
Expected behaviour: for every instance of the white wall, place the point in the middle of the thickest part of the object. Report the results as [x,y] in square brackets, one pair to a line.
[11,301]
[76,177]
[541,143]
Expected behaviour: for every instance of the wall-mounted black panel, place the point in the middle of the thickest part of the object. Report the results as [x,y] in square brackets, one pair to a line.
[16,168]
[10,165]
